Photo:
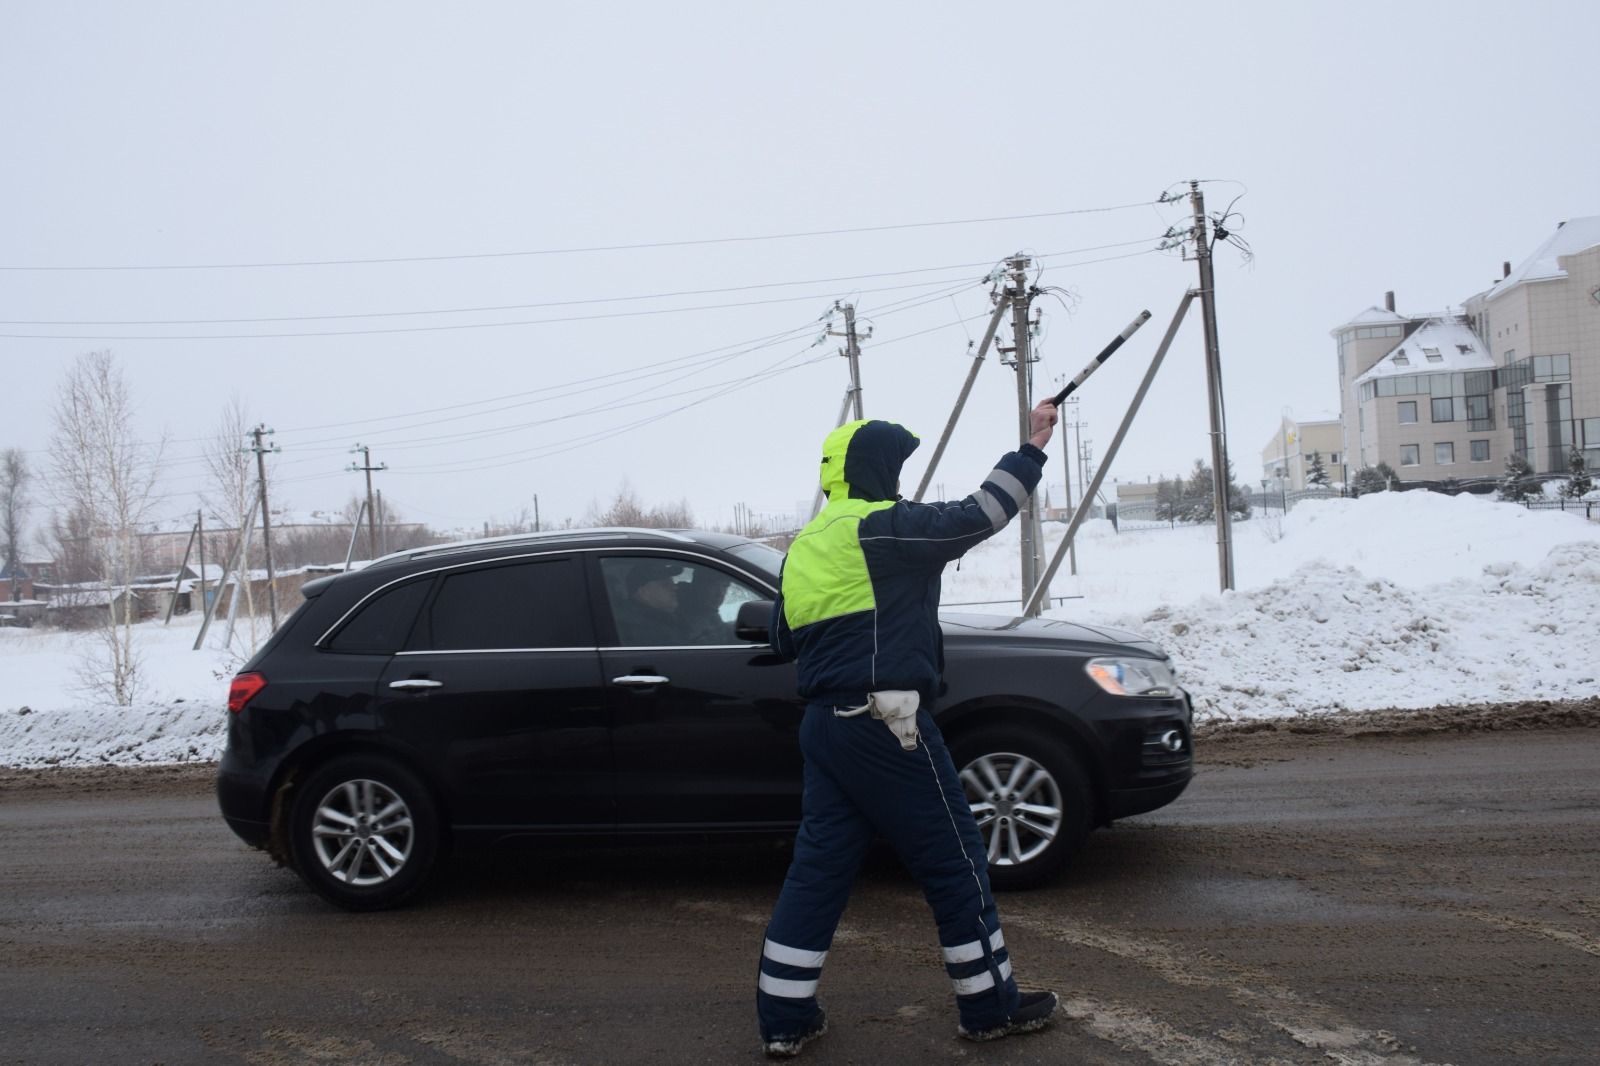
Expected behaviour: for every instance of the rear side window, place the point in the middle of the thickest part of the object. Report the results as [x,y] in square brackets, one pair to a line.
[381,627]
[541,604]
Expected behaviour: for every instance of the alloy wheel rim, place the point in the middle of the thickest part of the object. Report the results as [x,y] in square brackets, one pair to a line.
[1016,803]
[362,833]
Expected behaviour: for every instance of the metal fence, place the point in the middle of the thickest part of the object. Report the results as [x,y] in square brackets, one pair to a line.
[1151,514]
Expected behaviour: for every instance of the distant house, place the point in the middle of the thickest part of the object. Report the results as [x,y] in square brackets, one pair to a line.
[1286,459]
[19,589]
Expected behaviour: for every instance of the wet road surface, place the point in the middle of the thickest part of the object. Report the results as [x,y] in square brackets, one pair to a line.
[1375,899]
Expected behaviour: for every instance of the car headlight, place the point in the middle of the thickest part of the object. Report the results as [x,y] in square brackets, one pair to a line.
[1133,677]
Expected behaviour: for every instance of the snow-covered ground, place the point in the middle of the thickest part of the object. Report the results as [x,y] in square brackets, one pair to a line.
[1393,600]
[1410,600]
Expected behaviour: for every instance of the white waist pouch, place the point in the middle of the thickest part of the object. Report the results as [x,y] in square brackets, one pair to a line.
[897,709]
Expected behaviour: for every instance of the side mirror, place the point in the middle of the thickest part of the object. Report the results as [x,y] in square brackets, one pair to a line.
[754,621]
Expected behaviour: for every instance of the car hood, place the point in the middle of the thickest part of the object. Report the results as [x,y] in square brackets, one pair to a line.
[958,625]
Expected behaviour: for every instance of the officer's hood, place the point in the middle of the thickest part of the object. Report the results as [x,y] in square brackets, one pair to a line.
[862,460]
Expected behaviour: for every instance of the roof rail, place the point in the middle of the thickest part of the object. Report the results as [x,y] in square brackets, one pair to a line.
[533,538]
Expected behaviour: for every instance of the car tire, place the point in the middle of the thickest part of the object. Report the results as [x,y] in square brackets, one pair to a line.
[1031,798]
[364,832]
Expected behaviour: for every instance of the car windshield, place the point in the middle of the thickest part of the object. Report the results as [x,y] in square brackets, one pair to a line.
[767,560]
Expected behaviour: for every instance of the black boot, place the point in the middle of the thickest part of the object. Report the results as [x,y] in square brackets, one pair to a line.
[1032,1014]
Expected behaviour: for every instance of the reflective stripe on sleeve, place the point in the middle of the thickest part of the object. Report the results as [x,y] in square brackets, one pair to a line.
[1008,484]
[794,956]
[966,986]
[993,509]
[777,986]
[974,951]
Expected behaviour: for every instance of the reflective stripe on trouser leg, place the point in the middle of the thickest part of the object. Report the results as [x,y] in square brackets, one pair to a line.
[828,850]
[979,966]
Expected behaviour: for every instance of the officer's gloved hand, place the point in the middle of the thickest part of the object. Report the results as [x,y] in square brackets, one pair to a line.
[897,709]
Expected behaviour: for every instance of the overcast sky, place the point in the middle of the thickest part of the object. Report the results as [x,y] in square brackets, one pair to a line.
[1404,146]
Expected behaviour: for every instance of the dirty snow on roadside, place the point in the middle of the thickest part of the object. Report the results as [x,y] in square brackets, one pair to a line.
[1394,600]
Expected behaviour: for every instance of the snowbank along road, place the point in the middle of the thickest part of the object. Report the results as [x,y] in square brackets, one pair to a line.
[1333,891]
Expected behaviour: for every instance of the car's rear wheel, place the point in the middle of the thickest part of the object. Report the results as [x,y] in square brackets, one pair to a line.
[364,832]
[1031,799]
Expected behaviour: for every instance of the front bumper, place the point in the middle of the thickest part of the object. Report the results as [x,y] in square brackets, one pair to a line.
[1151,754]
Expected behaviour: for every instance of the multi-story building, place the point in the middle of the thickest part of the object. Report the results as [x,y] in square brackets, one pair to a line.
[1448,395]
[1286,459]
[1542,321]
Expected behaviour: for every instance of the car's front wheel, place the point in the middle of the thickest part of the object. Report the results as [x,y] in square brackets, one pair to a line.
[364,832]
[1031,799]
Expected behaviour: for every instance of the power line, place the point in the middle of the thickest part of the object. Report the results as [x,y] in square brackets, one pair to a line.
[723,387]
[452,326]
[677,365]
[597,381]
[587,249]
[544,304]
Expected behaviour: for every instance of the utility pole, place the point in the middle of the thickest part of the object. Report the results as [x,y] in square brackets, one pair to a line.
[1219,440]
[383,527]
[1067,464]
[536,512]
[266,522]
[200,524]
[852,352]
[367,468]
[1021,297]
[1085,453]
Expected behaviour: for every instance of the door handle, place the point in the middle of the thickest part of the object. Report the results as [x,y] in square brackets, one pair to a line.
[640,680]
[416,683]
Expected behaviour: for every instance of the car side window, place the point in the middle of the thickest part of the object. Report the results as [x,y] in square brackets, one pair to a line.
[658,601]
[536,604]
[381,627]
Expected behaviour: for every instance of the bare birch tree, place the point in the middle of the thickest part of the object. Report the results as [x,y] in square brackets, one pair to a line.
[232,471]
[103,473]
[14,504]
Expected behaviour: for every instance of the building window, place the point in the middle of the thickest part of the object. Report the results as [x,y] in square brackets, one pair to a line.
[1400,358]
[1334,458]
[1432,355]
[1410,455]
[1480,451]
[1591,432]
[1408,411]
[1464,349]
[1552,367]
[1477,407]
[1444,409]
[1444,453]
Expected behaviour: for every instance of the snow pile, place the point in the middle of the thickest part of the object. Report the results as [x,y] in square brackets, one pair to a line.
[1330,638]
[1394,600]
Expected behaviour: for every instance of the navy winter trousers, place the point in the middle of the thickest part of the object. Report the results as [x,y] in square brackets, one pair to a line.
[860,782]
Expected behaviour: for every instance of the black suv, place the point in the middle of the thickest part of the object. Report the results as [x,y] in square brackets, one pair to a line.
[527,687]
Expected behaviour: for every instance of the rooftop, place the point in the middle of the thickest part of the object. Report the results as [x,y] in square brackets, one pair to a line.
[1571,237]
[1373,316]
[1439,346]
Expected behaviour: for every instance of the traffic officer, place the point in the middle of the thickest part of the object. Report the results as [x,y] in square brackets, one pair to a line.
[859,614]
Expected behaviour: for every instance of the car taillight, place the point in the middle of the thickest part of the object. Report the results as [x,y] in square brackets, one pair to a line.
[244,689]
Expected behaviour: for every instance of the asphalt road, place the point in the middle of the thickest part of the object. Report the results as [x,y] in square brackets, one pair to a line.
[1313,898]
